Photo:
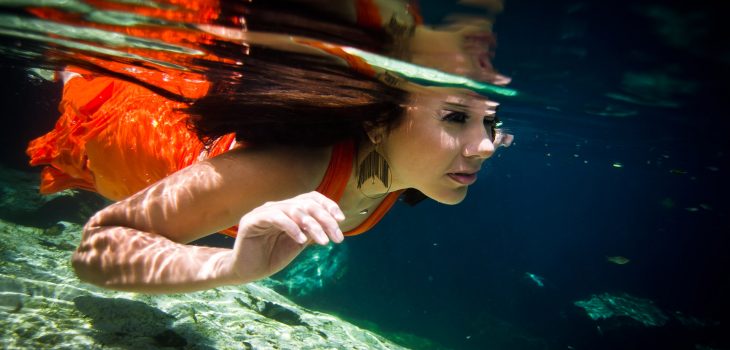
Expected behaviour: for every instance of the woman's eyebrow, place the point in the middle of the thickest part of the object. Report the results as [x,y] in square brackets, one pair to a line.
[488,112]
[456,106]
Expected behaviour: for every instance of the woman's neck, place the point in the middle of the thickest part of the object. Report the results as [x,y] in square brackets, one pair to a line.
[361,200]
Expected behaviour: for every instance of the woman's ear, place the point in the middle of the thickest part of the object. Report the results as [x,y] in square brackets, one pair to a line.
[375,132]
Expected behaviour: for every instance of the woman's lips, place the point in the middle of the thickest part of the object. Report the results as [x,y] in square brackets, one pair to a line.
[463,178]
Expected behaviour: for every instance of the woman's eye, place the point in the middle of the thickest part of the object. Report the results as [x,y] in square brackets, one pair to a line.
[456,117]
[491,124]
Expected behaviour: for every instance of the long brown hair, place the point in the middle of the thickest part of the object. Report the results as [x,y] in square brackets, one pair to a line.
[295,99]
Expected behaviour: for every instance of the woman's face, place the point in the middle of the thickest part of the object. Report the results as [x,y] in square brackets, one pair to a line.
[441,143]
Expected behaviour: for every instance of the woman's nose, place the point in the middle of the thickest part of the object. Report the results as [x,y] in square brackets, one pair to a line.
[479,144]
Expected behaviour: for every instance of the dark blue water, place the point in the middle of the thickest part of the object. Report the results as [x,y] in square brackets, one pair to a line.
[555,205]
[622,150]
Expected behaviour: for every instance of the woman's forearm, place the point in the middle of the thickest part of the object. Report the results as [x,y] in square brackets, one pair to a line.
[131,260]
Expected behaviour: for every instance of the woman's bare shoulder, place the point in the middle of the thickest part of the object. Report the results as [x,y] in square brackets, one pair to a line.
[297,169]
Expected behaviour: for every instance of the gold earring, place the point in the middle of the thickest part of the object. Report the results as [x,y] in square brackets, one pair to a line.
[373,166]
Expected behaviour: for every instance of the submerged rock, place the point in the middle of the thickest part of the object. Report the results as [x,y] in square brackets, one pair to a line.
[618,260]
[538,280]
[44,305]
[608,305]
[19,193]
[22,203]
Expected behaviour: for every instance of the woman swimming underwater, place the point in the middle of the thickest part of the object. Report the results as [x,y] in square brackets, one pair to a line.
[291,156]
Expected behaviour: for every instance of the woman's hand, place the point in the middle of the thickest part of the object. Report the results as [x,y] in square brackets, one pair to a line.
[272,235]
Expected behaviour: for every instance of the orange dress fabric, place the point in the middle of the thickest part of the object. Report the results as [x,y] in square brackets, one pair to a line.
[116,138]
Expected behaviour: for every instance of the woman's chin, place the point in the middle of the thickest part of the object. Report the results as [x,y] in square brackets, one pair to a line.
[451,197]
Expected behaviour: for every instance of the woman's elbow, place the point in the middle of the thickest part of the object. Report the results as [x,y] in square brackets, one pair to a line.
[80,264]
[86,259]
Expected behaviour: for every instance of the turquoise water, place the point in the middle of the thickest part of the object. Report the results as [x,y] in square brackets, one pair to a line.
[603,227]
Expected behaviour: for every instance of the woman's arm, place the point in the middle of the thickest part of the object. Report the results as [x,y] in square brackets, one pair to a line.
[138,244]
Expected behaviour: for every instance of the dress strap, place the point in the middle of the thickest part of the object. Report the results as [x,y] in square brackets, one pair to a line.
[338,171]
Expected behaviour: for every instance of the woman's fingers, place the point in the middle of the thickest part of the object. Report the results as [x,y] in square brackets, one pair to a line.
[326,214]
[307,216]
[288,225]
[314,230]
[328,225]
[330,205]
